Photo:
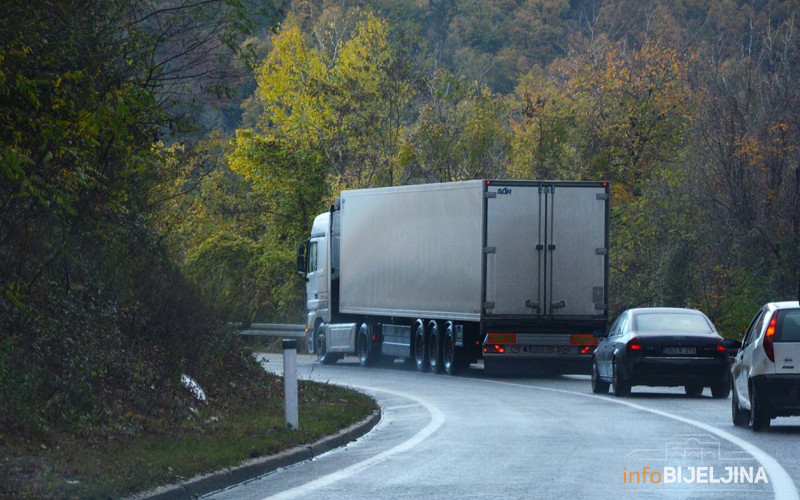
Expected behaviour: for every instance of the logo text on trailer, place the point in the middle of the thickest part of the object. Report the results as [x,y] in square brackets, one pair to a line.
[504,191]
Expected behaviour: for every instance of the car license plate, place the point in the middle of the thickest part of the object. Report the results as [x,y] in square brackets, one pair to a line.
[680,350]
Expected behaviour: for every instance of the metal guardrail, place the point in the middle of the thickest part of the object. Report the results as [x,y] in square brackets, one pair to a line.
[274,330]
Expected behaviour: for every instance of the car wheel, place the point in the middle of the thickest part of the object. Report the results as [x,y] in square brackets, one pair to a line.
[721,389]
[420,349]
[622,387]
[693,390]
[599,386]
[740,417]
[323,356]
[758,417]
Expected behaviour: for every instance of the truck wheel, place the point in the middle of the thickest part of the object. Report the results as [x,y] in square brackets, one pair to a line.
[323,356]
[435,348]
[420,348]
[449,357]
[366,357]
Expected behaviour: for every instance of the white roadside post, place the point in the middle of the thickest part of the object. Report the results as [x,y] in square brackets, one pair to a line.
[290,382]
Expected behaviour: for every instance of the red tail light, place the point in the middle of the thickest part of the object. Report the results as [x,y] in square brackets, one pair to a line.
[720,348]
[635,344]
[769,347]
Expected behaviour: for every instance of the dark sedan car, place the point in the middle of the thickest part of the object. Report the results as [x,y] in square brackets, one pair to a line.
[661,346]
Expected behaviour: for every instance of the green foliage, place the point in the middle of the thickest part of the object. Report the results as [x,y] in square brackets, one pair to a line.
[96,323]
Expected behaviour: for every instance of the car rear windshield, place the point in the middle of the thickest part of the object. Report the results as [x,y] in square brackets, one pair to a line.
[672,322]
[788,326]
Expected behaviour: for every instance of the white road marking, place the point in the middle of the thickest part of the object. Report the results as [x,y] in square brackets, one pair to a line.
[782,483]
[437,419]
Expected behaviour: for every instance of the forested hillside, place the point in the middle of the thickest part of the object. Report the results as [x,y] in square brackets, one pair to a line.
[162,159]
[688,108]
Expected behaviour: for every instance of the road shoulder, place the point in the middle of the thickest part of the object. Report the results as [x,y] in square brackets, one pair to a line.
[251,469]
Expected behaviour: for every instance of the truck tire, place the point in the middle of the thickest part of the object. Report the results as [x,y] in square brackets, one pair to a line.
[421,348]
[435,342]
[450,357]
[323,356]
[364,351]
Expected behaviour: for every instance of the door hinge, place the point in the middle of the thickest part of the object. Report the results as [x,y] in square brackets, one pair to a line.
[532,304]
[489,195]
[558,304]
[488,250]
[602,196]
[488,305]
[601,251]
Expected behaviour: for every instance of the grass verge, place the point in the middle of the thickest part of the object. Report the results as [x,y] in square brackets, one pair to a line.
[223,432]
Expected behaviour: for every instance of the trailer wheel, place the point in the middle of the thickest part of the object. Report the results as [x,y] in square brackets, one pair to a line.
[320,347]
[366,356]
[420,347]
[449,357]
[435,347]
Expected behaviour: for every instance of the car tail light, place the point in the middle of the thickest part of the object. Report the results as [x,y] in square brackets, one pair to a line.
[769,347]
[635,344]
[720,348]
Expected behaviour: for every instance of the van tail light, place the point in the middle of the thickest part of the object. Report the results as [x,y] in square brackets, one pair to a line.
[635,344]
[769,345]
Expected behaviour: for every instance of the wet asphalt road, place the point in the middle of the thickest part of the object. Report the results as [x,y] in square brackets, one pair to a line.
[478,437]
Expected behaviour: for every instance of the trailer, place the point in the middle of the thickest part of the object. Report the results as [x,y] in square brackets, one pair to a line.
[443,275]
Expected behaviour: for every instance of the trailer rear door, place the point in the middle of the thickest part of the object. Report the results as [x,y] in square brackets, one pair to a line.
[546,249]
[576,250]
[514,257]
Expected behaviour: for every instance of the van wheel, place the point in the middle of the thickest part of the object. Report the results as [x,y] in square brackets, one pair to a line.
[420,348]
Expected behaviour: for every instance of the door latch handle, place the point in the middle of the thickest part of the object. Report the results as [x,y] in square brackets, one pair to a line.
[558,304]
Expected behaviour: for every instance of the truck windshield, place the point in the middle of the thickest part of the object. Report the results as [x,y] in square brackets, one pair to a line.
[671,322]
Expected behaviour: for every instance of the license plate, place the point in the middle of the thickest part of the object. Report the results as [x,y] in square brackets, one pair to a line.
[539,349]
[680,350]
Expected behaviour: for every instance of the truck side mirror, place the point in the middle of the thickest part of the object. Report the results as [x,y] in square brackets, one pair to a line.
[302,249]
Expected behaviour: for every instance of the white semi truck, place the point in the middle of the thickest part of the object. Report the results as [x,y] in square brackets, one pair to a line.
[513,272]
